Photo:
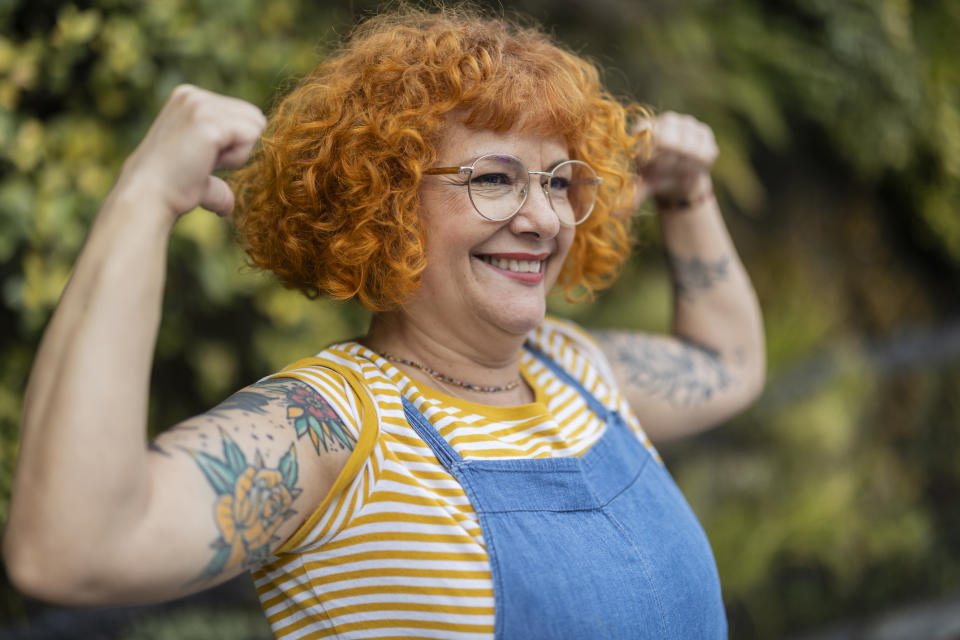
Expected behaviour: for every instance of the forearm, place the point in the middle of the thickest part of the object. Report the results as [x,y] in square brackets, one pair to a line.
[81,475]
[715,306]
[89,502]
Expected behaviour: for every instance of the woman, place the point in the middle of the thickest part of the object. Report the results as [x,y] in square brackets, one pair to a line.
[469,467]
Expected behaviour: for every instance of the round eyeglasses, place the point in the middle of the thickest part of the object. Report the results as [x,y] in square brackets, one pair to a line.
[498,186]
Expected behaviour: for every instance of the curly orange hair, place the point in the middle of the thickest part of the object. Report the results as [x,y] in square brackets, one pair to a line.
[330,201]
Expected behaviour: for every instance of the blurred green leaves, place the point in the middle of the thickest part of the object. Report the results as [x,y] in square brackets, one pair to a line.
[839,130]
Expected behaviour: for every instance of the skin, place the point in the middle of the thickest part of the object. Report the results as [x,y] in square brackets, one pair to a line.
[712,366]
[216,494]
[469,319]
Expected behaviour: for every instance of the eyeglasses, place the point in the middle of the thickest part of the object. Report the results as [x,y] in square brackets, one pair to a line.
[498,186]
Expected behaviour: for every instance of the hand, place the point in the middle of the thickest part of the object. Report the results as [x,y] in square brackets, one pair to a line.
[196,133]
[678,168]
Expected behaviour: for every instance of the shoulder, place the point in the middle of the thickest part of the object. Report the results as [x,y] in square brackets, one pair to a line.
[578,353]
[336,383]
[571,347]
[330,399]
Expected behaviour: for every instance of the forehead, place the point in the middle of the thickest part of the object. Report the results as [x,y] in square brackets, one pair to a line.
[460,143]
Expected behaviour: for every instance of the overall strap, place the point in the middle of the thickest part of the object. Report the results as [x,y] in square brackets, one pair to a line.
[601,411]
[447,456]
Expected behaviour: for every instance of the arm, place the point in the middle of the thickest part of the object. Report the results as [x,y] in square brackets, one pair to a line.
[95,516]
[713,364]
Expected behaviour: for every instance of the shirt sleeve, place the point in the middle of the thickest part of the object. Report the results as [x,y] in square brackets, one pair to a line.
[354,405]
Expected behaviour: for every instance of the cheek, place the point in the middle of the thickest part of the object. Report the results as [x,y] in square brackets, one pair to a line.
[564,242]
[438,206]
[445,219]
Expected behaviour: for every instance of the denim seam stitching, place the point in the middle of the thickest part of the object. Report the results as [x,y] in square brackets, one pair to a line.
[599,507]
[646,570]
[479,469]
[633,481]
[491,511]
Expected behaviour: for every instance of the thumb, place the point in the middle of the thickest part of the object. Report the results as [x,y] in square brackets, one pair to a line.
[217,197]
[641,192]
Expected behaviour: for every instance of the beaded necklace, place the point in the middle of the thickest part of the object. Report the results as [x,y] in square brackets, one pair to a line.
[445,378]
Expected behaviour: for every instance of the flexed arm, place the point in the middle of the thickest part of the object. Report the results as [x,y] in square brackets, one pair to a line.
[713,364]
[96,516]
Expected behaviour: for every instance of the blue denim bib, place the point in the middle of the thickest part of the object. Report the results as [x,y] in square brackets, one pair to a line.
[600,546]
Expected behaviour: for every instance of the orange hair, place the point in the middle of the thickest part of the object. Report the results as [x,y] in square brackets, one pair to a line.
[330,201]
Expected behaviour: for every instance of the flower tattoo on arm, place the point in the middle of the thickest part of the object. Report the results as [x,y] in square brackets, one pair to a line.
[253,500]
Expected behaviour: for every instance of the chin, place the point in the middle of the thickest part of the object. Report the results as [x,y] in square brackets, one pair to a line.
[520,319]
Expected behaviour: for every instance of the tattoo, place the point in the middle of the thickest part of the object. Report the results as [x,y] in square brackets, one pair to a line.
[246,400]
[155,448]
[693,275]
[683,373]
[253,500]
[313,416]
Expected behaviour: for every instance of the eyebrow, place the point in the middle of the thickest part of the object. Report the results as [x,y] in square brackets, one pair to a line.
[452,169]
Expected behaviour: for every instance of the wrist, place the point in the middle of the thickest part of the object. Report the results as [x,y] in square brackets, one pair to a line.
[696,197]
[683,203]
[139,200]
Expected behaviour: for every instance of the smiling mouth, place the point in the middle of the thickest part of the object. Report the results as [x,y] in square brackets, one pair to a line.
[517,266]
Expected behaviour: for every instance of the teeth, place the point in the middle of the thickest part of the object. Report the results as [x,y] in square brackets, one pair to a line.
[518,266]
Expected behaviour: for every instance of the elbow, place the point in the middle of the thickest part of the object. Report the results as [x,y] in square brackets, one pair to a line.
[24,567]
[759,370]
[44,572]
[28,567]
[749,395]
[756,381]
[751,380]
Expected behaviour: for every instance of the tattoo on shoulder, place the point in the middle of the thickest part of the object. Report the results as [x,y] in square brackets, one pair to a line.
[683,373]
[307,410]
[253,500]
[692,276]
[249,400]
[312,416]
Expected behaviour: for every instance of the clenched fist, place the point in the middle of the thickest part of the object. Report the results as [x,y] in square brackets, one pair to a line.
[678,167]
[197,132]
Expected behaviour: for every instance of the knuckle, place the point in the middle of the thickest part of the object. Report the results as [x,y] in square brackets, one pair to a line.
[182,92]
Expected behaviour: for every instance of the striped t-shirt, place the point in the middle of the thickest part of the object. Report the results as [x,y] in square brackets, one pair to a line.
[396,550]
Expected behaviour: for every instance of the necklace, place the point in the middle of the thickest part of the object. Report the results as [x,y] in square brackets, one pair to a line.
[445,378]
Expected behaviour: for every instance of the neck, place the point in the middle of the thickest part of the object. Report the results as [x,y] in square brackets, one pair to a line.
[462,357]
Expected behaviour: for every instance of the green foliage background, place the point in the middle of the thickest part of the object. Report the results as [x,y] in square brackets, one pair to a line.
[839,130]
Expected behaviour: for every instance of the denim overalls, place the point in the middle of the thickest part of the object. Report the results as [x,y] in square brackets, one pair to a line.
[600,546]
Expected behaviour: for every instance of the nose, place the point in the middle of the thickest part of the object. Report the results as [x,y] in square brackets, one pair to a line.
[536,216]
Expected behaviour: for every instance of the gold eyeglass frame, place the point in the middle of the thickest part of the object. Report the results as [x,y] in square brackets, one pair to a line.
[545,185]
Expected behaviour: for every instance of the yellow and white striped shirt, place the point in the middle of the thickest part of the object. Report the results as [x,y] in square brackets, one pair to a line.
[395,550]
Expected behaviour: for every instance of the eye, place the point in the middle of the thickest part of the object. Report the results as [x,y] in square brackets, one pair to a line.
[559,183]
[491,180]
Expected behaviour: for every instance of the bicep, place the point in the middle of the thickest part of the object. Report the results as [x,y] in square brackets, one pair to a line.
[675,387]
[230,485]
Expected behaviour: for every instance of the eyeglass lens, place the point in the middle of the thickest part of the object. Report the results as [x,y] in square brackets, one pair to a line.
[498,187]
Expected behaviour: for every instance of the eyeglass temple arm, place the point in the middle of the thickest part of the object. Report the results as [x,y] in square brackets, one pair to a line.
[444,170]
